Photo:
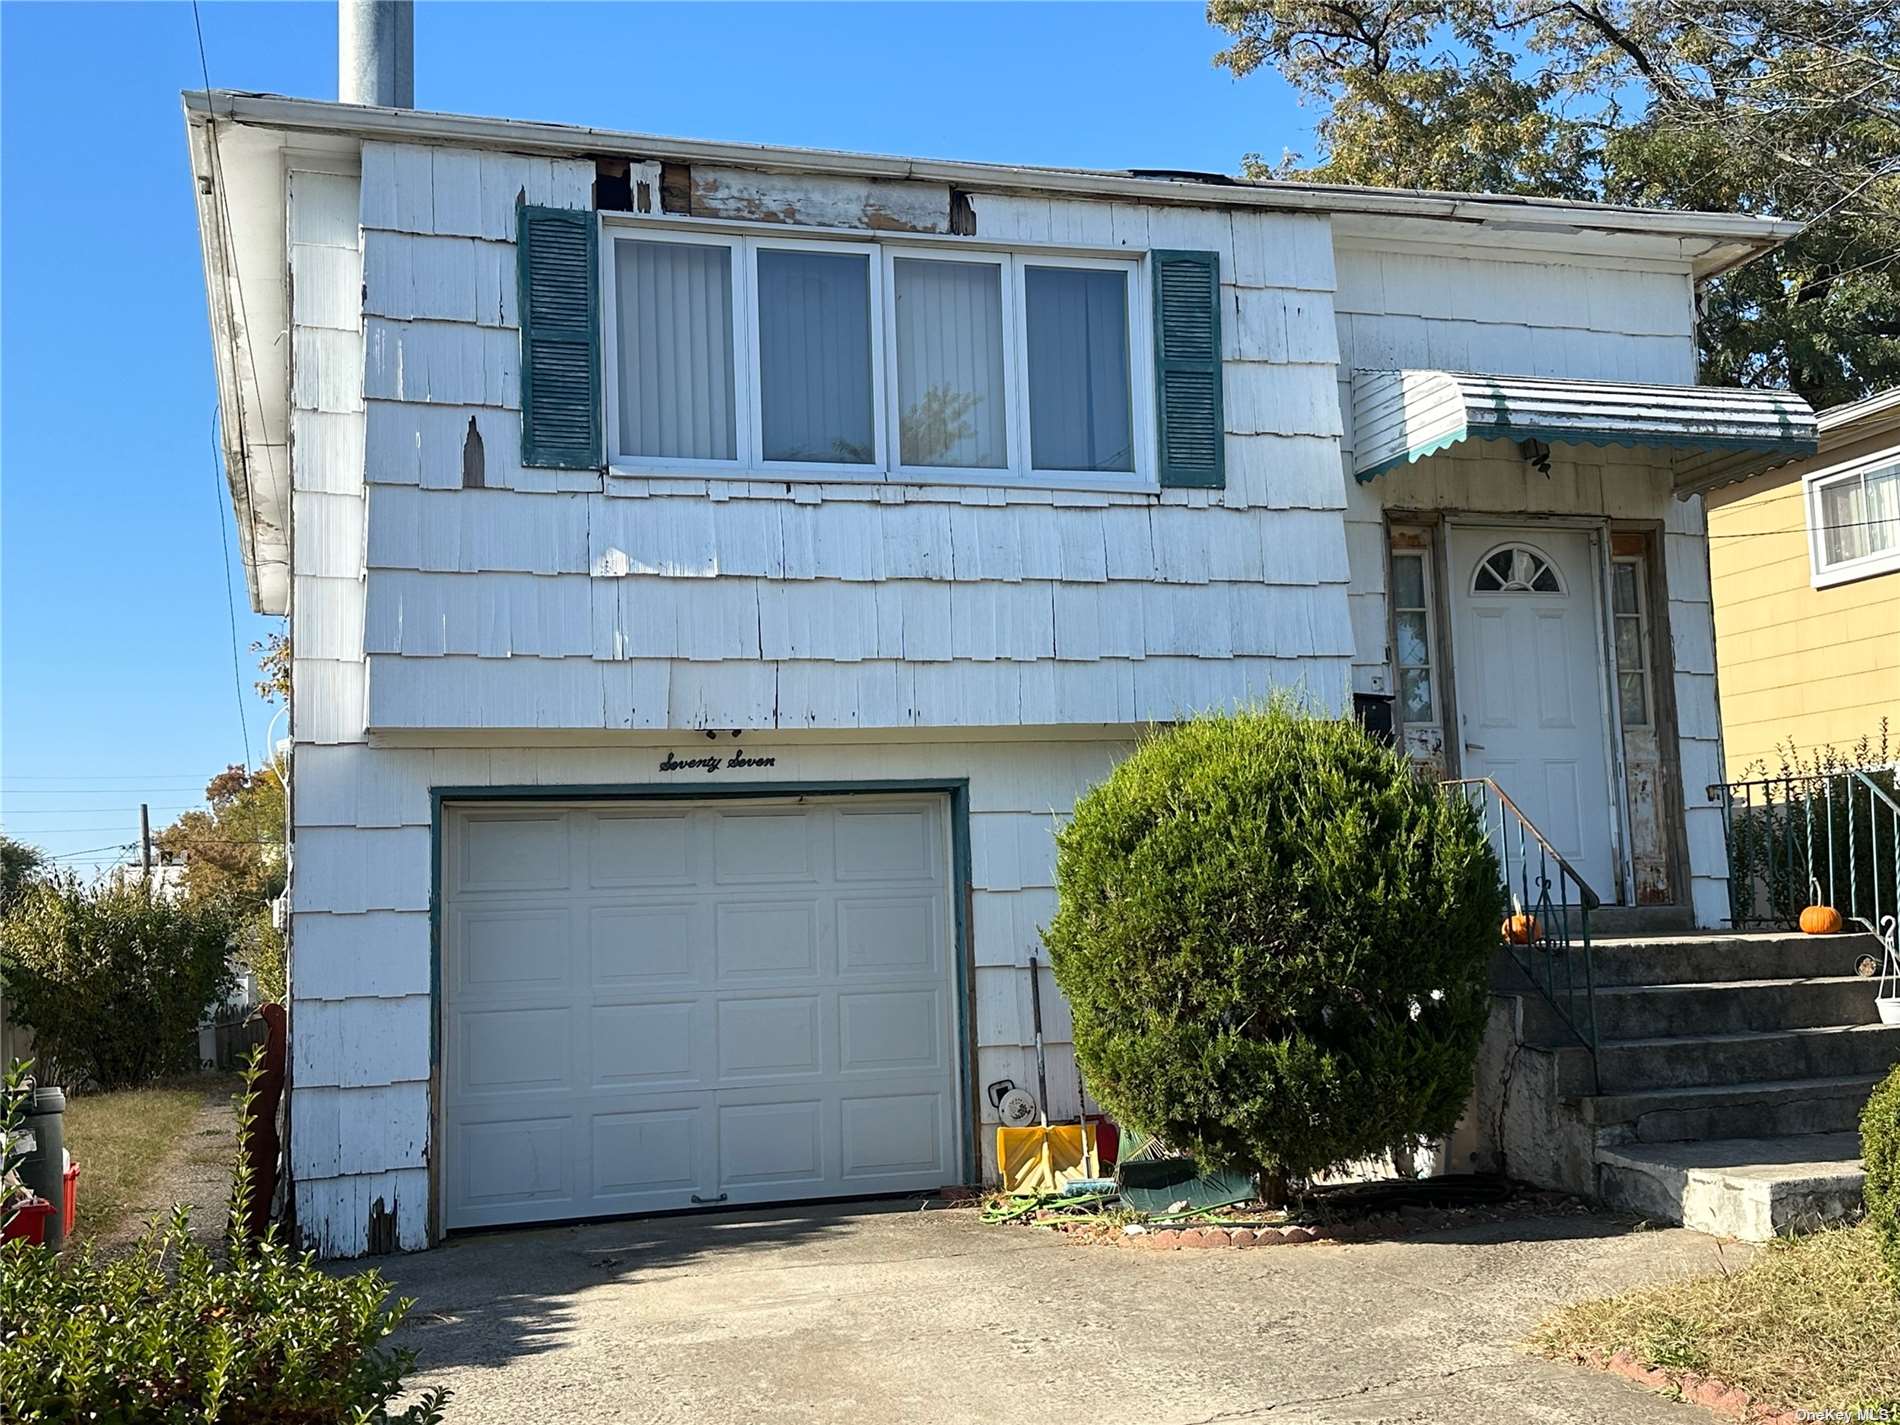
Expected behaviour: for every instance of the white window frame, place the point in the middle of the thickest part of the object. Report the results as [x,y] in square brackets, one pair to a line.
[1823,575]
[755,413]
[1639,566]
[1434,663]
[745,242]
[1013,432]
[742,393]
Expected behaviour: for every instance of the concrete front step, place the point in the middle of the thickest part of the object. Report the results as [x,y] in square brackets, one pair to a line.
[1709,957]
[1684,1061]
[1732,1007]
[1752,1188]
[1763,1110]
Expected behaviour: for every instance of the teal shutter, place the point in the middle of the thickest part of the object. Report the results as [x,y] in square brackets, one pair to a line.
[1187,368]
[560,338]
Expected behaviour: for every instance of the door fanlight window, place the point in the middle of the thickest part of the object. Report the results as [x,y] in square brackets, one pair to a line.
[1516,569]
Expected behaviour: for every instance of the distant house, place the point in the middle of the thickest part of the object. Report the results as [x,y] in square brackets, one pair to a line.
[715,569]
[1805,563]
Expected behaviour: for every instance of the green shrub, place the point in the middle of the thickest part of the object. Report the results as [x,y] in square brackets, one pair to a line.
[113,982]
[1880,1151]
[1276,942]
[173,1333]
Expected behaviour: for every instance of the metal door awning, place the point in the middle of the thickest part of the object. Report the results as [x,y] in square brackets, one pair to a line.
[1717,434]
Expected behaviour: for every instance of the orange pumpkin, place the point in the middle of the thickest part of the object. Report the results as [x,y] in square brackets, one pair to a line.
[1821,920]
[1521,929]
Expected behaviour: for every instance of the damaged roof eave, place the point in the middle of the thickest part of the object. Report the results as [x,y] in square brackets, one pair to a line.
[246,294]
[1711,242]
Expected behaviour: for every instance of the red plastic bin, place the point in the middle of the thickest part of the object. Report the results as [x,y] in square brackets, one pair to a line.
[69,1199]
[29,1223]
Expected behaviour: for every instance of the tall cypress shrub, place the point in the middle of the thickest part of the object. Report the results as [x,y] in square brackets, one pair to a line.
[1276,942]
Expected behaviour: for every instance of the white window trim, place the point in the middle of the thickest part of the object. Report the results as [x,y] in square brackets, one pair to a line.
[1823,575]
[741,358]
[1434,715]
[745,242]
[1646,655]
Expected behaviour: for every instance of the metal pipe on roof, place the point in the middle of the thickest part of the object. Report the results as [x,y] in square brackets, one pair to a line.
[376,53]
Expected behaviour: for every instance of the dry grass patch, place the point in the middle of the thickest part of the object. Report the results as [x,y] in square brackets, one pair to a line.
[1812,1323]
[119,1139]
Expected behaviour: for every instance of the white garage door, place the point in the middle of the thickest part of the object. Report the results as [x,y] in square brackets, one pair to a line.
[661,1005]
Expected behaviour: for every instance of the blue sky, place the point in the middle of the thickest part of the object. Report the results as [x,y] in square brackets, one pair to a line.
[116,680]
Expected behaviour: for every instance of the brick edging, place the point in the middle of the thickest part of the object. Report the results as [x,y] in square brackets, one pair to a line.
[1728,1401]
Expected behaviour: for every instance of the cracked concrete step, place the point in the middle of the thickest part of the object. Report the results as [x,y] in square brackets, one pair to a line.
[1729,1007]
[1763,1109]
[1710,957]
[1627,1065]
[1752,1188]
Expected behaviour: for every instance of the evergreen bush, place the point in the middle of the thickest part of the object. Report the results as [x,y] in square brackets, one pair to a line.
[114,981]
[1880,1153]
[1276,941]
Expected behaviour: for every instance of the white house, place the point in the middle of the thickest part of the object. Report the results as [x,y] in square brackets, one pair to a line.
[714,569]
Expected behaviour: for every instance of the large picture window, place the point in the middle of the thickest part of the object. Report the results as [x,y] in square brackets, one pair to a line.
[875,360]
[1854,522]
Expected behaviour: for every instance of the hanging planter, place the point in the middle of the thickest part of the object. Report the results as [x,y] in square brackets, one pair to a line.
[1887,992]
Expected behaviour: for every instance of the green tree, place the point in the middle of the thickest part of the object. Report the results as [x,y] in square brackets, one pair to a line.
[1789,107]
[233,853]
[20,866]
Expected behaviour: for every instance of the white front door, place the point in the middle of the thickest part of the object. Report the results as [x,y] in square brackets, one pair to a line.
[660,1005]
[1531,699]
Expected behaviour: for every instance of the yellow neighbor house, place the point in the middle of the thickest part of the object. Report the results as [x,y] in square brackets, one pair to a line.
[1805,565]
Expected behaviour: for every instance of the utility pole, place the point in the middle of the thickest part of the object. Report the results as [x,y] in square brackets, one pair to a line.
[145,843]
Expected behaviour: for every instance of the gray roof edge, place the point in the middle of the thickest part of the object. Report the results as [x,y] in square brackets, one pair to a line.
[520,135]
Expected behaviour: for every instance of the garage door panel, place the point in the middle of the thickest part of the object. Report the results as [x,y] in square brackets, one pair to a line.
[515,1163]
[772,1037]
[890,935]
[640,849]
[513,1051]
[511,952]
[654,1045]
[886,1134]
[890,1031]
[761,848]
[778,1145]
[749,999]
[754,939]
[644,944]
[652,1151]
[893,845]
[514,853]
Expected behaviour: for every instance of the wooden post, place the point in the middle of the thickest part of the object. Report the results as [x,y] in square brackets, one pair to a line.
[145,843]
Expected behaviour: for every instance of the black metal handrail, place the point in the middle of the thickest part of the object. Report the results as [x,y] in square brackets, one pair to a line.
[1803,838]
[1552,946]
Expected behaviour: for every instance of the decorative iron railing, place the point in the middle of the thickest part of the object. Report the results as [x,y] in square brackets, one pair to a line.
[1833,835]
[1548,930]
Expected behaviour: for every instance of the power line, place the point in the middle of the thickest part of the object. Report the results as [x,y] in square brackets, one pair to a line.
[155,777]
[224,543]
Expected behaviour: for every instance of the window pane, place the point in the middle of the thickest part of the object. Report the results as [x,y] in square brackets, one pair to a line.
[1408,581]
[949,322]
[1414,650]
[1623,588]
[1843,515]
[815,356]
[1883,509]
[1415,694]
[1634,694]
[1629,643]
[675,350]
[1080,417]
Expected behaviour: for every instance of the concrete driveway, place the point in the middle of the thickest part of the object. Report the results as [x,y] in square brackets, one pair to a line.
[894,1315]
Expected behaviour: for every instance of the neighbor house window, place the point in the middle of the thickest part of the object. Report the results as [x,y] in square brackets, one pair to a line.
[1412,635]
[875,360]
[1630,613]
[1854,523]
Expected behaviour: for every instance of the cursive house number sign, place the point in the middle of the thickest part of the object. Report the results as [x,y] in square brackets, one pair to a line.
[713,762]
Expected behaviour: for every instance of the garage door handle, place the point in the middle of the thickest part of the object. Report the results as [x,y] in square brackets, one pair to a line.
[708,1201]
